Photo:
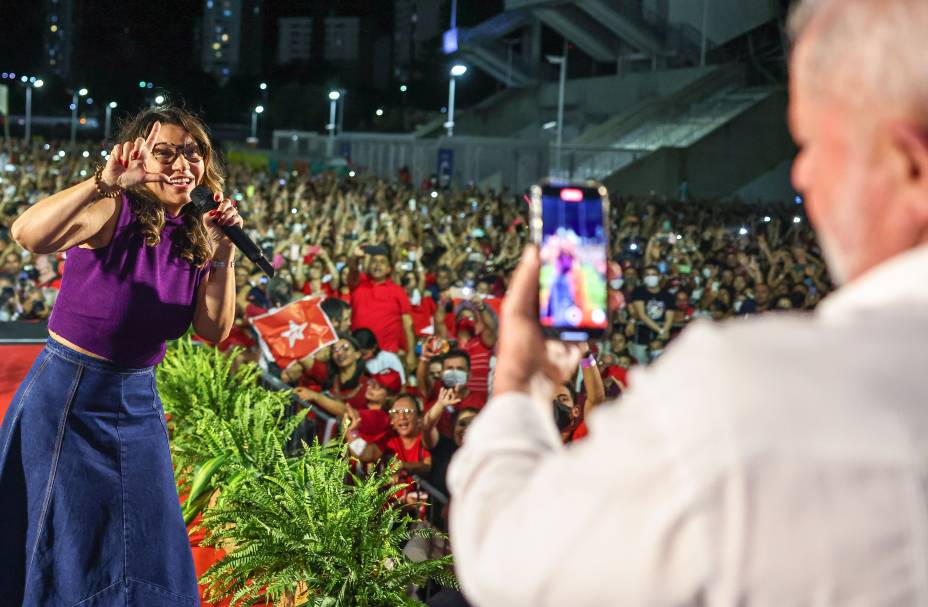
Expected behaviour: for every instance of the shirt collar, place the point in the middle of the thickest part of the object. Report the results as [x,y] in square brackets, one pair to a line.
[903,277]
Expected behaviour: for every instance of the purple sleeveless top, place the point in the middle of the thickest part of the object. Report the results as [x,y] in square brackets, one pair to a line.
[124,300]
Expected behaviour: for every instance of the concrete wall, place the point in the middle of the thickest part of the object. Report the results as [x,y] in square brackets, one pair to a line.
[726,19]
[719,165]
[773,186]
[587,101]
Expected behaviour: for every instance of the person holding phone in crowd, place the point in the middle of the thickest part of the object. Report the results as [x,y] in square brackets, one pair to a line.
[88,503]
[768,461]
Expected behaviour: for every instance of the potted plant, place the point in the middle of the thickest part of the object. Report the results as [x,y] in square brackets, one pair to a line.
[302,534]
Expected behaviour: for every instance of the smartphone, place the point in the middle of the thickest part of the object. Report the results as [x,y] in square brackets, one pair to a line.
[569,226]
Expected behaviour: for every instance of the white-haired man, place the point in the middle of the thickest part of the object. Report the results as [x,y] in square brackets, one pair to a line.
[779,461]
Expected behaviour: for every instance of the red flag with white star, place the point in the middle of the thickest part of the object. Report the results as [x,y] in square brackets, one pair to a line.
[295,331]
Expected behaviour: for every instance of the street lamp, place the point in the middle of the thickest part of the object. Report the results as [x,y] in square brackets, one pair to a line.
[254,122]
[32,83]
[457,70]
[333,103]
[108,120]
[75,98]
[562,61]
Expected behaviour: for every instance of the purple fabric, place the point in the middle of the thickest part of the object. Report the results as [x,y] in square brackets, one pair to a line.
[124,300]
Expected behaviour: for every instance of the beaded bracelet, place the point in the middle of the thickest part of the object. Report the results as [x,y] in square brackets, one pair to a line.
[114,191]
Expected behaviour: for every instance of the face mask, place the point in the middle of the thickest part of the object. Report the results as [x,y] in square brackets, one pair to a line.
[453,378]
[706,272]
[652,281]
[466,324]
[696,295]
[616,284]
[562,416]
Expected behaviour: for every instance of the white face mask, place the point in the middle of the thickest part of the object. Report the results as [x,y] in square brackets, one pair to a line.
[706,272]
[652,281]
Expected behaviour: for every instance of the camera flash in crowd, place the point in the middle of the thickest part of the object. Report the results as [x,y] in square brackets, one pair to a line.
[743,231]
[766,218]
[797,219]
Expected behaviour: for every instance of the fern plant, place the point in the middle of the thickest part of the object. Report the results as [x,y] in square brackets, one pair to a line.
[226,449]
[220,421]
[301,527]
[192,378]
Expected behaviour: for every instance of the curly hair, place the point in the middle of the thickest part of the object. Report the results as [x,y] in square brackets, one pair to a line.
[192,241]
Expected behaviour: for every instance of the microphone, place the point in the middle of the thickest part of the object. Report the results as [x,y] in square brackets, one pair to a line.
[202,199]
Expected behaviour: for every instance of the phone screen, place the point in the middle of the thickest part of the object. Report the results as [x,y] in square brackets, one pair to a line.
[573,243]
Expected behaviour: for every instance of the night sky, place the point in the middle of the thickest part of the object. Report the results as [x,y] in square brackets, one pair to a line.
[120,43]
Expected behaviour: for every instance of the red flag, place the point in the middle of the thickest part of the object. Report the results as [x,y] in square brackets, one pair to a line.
[295,331]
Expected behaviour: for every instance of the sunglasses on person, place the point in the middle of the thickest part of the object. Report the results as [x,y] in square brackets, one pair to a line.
[403,411]
[167,153]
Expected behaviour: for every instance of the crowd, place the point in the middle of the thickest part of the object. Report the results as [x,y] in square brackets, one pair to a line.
[413,275]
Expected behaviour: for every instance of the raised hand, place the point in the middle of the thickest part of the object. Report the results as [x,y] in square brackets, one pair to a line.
[125,166]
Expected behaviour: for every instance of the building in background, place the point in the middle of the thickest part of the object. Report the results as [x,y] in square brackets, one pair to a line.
[294,40]
[343,39]
[59,36]
[415,22]
[231,37]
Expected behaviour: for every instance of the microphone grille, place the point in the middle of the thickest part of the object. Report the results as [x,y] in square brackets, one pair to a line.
[202,199]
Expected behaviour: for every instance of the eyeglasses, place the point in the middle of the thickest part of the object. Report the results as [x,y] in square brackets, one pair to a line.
[402,411]
[167,153]
[341,348]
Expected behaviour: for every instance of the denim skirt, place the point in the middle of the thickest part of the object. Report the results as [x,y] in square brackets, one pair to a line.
[89,514]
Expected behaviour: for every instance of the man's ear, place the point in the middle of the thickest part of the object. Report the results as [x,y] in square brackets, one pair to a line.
[910,147]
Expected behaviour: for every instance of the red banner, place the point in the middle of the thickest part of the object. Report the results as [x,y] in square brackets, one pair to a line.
[295,331]
[15,362]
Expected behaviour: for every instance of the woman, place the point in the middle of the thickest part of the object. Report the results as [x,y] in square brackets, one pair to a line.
[88,503]
[344,377]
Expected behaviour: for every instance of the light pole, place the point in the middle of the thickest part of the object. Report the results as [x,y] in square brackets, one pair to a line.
[341,111]
[254,122]
[333,104]
[562,61]
[457,70]
[108,120]
[75,97]
[30,84]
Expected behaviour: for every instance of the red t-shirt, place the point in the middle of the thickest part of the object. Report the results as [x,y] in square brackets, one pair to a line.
[480,356]
[317,377]
[380,307]
[415,453]
[375,427]
[327,289]
[473,400]
[423,316]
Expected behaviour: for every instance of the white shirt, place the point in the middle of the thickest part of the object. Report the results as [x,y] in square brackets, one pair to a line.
[777,461]
[386,360]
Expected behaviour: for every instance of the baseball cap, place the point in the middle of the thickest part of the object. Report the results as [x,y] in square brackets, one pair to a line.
[389,379]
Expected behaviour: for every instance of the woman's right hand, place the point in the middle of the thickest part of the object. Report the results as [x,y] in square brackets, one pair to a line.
[125,166]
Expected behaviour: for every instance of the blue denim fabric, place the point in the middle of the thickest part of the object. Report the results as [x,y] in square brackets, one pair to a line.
[89,515]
